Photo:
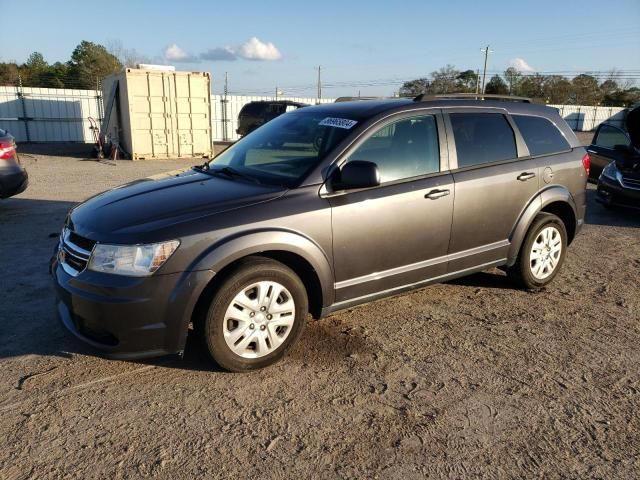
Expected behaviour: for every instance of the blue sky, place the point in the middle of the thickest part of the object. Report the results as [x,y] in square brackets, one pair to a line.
[367,46]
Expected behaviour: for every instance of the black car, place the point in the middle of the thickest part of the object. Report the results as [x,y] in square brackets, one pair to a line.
[13,177]
[615,156]
[255,114]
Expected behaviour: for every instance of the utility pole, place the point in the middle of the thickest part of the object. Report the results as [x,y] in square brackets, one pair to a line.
[486,52]
[276,93]
[319,85]
[477,81]
[225,121]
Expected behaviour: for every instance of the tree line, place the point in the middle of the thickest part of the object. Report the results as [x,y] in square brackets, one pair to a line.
[88,64]
[583,89]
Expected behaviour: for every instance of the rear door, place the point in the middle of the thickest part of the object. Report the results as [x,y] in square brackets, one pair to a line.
[602,149]
[493,185]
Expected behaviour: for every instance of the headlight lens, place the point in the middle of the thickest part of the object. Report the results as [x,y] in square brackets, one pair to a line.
[610,171]
[131,260]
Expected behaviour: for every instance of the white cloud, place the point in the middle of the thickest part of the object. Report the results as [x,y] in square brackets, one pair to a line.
[520,64]
[254,49]
[173,53]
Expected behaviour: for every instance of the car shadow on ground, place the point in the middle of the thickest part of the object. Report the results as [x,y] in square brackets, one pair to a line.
[490,279]
[598,214]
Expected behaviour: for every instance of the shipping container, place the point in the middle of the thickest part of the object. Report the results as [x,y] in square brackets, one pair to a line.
[158,114]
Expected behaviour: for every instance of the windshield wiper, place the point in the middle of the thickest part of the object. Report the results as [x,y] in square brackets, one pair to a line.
[232,172]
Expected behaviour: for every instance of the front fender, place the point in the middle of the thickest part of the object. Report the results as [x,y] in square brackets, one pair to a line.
[555,193]
[227,250]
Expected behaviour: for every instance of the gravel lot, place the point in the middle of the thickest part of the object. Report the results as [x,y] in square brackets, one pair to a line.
[467,379]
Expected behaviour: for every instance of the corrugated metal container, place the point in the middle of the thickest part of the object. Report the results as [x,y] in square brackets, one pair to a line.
[159,114]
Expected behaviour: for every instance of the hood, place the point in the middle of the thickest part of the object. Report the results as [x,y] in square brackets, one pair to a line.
[633,126]
[164,201]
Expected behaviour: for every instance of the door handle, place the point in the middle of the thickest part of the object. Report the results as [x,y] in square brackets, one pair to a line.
[524,176]
[435,194]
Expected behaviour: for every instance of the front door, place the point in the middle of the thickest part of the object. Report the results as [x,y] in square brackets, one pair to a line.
[397,233]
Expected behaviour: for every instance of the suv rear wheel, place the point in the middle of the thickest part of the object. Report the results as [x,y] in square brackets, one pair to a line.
[257,314]
[542,252]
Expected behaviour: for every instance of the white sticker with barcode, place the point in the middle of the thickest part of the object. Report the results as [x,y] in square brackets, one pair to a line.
[337,123]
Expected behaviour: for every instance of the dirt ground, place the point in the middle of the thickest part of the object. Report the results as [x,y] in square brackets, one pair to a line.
[471,378]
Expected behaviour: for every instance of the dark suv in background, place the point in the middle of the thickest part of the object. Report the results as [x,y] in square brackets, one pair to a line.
[384,196]
[615,160]
[256,114]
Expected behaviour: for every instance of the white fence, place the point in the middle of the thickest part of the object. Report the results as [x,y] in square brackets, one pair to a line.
[585,118]
[49,114]
[61,115]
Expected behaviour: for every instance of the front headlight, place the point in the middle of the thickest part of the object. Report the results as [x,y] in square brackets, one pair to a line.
[131,260]
[610,171]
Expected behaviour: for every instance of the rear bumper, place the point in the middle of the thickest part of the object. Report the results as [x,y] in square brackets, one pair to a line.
[127,317]
[13,182]
[610,192]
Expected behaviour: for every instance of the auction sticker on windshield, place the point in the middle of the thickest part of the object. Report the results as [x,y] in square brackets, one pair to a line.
[337,122]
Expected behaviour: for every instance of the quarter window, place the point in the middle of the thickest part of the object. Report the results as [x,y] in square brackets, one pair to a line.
[403,149]
[541,136]
[610,136]
[482,138]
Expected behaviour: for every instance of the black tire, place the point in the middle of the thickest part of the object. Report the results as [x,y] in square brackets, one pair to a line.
[248,271]
[521,272]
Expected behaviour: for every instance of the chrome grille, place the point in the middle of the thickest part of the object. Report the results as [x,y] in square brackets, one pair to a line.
[74,252]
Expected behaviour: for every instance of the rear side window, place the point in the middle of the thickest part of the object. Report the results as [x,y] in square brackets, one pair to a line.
[482,138]
[609,136]
[541,135]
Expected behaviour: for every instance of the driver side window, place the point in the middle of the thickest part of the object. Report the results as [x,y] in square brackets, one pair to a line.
[403,149]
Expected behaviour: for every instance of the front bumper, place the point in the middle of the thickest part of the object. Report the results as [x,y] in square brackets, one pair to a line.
[610,192]
[128,317]
[13,183]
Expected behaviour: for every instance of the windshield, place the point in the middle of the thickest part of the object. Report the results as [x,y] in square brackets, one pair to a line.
[285,150]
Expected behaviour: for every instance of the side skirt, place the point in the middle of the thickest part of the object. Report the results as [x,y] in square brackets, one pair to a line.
[405,288]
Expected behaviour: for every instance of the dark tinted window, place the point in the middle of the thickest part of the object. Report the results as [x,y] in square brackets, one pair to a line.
[254,108]
[541,136]
[404,149]
[482,138]
[610,136]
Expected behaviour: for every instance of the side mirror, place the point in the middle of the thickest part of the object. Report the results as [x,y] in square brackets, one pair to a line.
[359,174]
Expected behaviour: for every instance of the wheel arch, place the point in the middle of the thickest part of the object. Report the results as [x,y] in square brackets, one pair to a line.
[299,253]
[556,200]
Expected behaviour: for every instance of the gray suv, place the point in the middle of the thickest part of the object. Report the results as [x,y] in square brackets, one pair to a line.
[394,195]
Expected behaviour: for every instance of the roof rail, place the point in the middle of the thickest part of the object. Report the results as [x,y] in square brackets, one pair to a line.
[471,96]
[351,99]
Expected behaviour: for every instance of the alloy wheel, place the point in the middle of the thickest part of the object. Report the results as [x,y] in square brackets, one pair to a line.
[259,319]
[545,252]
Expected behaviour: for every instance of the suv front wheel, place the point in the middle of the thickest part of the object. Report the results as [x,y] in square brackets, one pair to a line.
[542,252]
[256,315]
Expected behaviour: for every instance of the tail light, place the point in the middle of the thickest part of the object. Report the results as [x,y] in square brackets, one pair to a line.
[586,163]
[7,150]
